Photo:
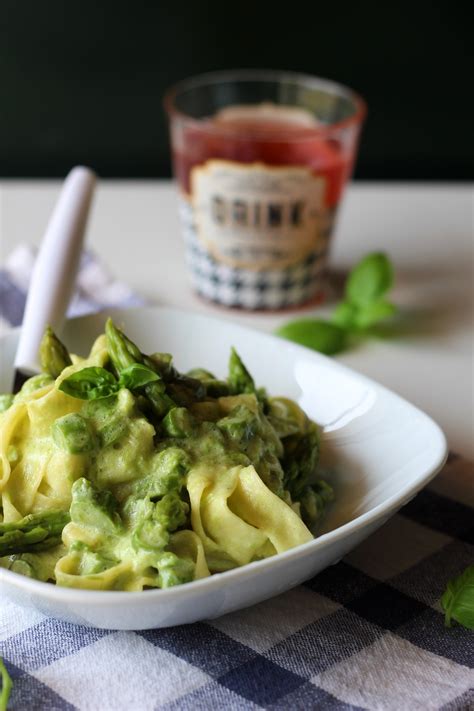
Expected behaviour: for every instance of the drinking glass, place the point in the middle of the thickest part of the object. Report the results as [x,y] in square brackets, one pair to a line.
[261,159]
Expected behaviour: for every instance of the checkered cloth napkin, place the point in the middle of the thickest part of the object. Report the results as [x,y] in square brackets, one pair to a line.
[367,633]
[96,288]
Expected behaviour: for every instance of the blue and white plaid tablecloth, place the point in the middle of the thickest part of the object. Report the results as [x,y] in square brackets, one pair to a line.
[366,633]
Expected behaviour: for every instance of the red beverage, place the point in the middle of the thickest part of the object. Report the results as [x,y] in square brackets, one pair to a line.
[260,183]
[248,140]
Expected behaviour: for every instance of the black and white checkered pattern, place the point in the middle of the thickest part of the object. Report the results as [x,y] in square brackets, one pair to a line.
[367,633]
[247,289]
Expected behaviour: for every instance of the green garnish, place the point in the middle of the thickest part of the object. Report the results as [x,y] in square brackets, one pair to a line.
[95,383]
[370,279]
[458,599]
[315,333]
[90,383]
[364,305]
[6,686]
[136,376]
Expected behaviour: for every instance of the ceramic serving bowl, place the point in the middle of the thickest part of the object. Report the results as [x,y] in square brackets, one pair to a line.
[381,449]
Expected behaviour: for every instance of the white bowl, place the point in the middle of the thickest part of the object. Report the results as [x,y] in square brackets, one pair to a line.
[382,451]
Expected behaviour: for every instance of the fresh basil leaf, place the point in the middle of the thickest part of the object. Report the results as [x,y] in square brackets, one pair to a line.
[320,335]
[363,306]
[370,279]
[136,376]
[370,314]
[458,599]
[345,315]
[90,384]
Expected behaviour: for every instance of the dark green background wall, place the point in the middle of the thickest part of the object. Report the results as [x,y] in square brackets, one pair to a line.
[82,81]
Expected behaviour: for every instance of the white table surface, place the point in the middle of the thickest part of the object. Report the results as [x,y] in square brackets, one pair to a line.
[427,230]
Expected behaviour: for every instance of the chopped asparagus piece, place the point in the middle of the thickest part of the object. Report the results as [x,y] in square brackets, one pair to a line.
[74,434]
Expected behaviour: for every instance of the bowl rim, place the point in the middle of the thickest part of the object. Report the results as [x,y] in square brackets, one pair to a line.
[217,581]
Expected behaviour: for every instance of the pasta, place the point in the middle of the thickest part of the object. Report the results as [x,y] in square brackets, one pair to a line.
[117,472]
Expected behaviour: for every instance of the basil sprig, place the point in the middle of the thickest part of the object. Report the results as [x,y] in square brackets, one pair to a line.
[364,305]
[94,382]
[458,599]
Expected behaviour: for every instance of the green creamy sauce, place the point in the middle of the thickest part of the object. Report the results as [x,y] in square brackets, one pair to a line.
[147,480]
[130,506]
[132,499]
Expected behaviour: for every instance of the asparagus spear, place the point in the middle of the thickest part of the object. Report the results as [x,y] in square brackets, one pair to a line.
[33,533]
[123,353]
[239,378]
[173,389]
[54,356]
[300,459]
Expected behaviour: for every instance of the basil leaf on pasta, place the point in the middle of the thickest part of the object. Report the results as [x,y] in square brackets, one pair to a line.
[90,384]
[136,376]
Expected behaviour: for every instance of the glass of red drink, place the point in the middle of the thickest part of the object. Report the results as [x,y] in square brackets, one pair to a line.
[261,159]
